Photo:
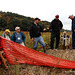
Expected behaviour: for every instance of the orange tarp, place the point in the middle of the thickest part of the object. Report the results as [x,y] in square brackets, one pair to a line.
[17,53]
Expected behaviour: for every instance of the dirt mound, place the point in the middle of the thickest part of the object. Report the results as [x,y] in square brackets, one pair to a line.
[64,54]
[25,69]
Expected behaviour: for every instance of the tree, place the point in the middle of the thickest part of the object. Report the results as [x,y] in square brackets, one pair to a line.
[15,22]
[11,20]
[25,24]
[3,23]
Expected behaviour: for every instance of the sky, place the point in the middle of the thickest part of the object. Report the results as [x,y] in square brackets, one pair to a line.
[43,9]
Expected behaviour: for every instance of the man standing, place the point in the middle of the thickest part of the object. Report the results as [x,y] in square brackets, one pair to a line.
[18,36]
[56,25]
[73,30]
[35,34]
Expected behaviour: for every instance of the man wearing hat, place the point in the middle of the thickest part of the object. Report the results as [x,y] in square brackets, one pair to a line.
[18,36]
[35,34]
[56,25]
[6,34]
[73,30]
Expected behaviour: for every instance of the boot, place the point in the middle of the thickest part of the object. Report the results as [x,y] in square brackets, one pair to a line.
[35,48]
[44,50]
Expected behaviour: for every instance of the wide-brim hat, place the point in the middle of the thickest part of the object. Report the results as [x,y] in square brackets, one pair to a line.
[64,32]
[7,30]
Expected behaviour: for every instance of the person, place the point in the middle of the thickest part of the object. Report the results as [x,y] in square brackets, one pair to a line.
[56,25]
[35,34]
[6,34]
[73,30]
[65,40]
[18,36]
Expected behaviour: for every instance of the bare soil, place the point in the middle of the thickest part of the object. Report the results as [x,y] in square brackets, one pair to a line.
[25,69]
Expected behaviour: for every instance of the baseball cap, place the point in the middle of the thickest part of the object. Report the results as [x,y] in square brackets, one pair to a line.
[37,19]
[70,16]
[16,28]
[57,16]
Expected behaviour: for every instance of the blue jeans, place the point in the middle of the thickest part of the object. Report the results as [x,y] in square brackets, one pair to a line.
[40,40]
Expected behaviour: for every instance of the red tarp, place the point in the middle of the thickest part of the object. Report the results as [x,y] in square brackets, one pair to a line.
[20,54]
[0,62]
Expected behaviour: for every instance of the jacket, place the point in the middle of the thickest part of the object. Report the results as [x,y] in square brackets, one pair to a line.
[56,25]
[73,24]
[35,30]
[65,40]
[5,36]
[13,38]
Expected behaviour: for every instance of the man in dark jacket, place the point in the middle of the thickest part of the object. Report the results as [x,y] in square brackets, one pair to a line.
[56,25]
[35,34]
[73,30]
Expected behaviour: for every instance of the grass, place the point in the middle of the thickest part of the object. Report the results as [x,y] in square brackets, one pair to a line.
[46,36]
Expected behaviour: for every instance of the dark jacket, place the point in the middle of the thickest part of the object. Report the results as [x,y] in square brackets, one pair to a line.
[73,24]
[13,38]
[56,25]
[35,30]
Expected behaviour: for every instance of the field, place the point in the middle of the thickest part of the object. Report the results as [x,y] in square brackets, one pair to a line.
[46,36]
[25,69]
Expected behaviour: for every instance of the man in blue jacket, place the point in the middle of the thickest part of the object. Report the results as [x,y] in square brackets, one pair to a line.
[18,36]
[73,30]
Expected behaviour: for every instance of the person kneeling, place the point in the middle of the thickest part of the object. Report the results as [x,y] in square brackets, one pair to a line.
[65,40]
